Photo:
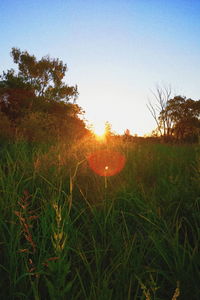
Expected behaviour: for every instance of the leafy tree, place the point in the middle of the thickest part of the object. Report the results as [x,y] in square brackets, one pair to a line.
[176,117]
[6,131]
[184,115]
[37,98]
[45,76]
[15,95]
[108,129]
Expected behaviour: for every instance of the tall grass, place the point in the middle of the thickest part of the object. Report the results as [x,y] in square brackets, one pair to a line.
[66,235]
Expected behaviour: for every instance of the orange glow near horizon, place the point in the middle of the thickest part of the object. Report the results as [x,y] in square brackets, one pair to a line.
[99,131]
[100,138]
[106,162]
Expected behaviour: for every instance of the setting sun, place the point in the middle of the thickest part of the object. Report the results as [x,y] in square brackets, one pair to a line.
[99,131]
[100,149]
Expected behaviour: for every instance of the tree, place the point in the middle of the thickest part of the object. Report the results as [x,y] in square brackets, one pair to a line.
[45,76]
[127,135]
[175,117]
[108,129]
[184,115]
[157,110]
[15,95]
[37,97]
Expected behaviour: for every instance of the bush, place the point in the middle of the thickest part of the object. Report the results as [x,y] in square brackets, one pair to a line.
[38,127]
[6,130]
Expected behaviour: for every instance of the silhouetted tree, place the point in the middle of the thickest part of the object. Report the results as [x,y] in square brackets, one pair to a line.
[127,135]
[16,96]
[157,110]
[37,91]
[45,76]
[108,129]
[175,117]
[184,115]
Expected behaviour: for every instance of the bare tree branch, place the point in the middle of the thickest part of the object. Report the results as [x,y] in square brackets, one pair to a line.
[158,109]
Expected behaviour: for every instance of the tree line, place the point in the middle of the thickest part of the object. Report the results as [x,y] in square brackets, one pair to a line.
[37,105]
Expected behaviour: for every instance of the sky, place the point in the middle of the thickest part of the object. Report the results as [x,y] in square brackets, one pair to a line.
[117,51]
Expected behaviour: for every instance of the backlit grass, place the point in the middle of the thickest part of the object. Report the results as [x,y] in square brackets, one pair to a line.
[66,233]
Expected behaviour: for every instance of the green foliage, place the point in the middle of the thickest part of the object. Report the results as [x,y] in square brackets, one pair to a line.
[36,100]
[6,131]
[63,235]
[184,115]
[38,127]
[15,96]
[45,76]
[177,118]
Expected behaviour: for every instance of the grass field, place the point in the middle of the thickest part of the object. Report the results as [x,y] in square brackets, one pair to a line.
[68,233]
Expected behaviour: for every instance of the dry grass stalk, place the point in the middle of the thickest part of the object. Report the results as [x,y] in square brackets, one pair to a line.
[26,216]
[145,291]
[177,291]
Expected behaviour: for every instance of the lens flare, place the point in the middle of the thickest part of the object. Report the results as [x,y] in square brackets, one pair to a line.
[106,162]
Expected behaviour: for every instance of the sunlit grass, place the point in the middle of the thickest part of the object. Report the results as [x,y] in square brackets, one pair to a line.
[65,234]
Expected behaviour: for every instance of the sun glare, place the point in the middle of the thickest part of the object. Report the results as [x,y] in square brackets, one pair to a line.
[99,131]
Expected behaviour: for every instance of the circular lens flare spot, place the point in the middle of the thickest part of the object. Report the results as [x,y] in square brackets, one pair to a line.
[106,162]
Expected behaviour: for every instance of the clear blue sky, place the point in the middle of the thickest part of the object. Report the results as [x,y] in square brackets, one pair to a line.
[116,51]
